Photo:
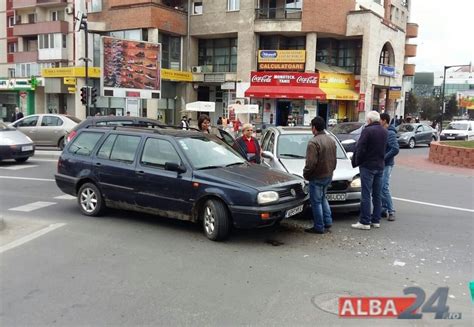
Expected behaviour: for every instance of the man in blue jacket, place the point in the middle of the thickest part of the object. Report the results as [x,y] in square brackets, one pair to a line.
[392,150]
[370,157]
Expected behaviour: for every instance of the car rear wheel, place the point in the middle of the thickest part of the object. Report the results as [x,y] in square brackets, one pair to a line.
[411,143]
[90,200]
[21,159]
[61,143]
[216,220]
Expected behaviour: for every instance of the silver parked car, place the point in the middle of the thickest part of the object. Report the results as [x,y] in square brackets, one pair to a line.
[284,148]
[14,144]
[47,129]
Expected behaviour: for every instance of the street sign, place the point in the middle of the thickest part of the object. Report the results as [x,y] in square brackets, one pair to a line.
[71,89]
[69,81]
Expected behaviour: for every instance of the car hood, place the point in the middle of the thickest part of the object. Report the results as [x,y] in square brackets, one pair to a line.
[11,137]
[251,175]
[399,134]
[454,131]
[344,169]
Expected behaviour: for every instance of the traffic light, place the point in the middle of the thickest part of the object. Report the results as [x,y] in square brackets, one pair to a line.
[84,95]
[93,95]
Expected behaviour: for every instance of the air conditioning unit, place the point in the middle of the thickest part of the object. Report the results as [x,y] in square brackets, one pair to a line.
[196,69]
[69,10]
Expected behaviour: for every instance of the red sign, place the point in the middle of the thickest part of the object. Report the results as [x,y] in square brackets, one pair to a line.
[281,66]
[132,94]
[284,79]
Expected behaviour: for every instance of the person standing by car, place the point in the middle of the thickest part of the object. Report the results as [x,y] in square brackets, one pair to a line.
[184,123]
[17,114]
[203,123]
[250,144]
[370,157]
[391,151]
[320,164]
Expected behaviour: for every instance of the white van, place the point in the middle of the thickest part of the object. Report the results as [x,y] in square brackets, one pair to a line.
[458,130]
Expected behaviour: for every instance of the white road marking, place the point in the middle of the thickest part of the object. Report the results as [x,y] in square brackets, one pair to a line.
[32,206]
[50,160]
[65,197]
[18,167]
[434,205]
[28,178]
[30,237]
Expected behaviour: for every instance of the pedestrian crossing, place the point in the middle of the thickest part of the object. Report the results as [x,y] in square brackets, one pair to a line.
[18,167]
[37,205]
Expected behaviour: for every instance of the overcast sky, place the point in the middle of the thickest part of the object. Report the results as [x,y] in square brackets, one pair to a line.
[445,34]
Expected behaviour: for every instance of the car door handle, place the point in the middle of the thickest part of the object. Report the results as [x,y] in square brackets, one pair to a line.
[140,172]
[98,164]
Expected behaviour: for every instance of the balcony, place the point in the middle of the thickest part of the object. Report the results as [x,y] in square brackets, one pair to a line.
[180,5]
[26,56]
[410,50]
[278,13]
[56,54]
[409,70]
[21,4]
[41,28]
[412,30]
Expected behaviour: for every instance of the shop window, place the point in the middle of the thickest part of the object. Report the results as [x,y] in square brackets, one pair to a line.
[218,55]
[197,7]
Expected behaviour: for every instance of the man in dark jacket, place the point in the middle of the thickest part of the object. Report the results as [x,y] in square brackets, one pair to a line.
[370,157]
[321,162]
[17,114]
[390,153]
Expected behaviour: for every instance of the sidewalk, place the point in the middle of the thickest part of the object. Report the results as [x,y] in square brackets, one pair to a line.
[421,162]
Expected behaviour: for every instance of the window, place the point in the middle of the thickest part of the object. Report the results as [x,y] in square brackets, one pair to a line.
[85,143]
[197,7]
[106,148]
[218,55]
[125,148]
[31,18]
[94,5]
[11,21]
[11,47]
[28,122]
[233,5]
[158,152]
[171,51]
[387,55]
[18,19]
[51,121]
[51,41]
[64,36]
[11,72]
[293,4]
[279,42]
[343,53]
[57,15]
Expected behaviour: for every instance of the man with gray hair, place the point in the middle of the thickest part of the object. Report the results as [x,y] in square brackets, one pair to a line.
[370,157]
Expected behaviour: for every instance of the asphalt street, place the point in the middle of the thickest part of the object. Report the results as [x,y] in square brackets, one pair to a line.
[58,267]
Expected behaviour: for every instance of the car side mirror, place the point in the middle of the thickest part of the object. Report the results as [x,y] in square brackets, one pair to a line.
[350,155]
[173,166]
[268,155]
[418,131]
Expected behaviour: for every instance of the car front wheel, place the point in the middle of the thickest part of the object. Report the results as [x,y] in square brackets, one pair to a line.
[90,200]
[21,159]
[216,220]
[411,143]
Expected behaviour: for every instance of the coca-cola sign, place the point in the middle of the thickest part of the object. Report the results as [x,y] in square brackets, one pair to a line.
[283,78]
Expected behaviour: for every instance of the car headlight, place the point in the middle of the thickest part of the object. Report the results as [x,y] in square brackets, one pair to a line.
[356,183]
[305,187]
[267,197]
[404,136]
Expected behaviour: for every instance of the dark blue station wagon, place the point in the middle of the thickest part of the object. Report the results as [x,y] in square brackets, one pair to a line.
[177,174]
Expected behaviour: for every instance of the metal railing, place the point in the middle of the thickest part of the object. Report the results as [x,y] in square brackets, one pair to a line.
[278,13]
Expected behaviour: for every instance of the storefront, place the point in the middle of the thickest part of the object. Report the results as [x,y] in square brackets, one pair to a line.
[284,97]
[18,92]
[173,90]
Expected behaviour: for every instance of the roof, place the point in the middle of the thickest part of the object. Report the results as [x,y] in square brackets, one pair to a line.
[174,132]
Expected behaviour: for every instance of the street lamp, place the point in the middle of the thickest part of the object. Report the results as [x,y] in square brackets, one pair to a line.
[442,94]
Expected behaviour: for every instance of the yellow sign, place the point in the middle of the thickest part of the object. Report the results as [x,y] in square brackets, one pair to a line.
[69,81]
[394,95]
[94,72]
[340,94]
[71,89]
[336,80]
[280,66]
[289,56]
[176,75]
[466,101]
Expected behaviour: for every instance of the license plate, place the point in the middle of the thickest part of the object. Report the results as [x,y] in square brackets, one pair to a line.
[336,197]
[294,211]
[450,137]
[27,148]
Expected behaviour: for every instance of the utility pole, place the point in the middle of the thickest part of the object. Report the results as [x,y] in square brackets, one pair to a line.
[82,25]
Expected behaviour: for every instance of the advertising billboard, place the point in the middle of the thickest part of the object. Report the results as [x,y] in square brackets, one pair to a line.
[293,60]
[130,68]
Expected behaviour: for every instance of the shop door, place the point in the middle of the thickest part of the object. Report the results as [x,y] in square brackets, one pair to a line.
[283,110]
[323,112]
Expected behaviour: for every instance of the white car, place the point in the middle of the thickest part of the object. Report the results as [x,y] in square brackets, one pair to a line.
[284,148]
[458,130]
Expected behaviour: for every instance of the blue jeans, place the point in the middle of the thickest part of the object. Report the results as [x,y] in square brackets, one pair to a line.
[387,204]
[371,180]
[319,204]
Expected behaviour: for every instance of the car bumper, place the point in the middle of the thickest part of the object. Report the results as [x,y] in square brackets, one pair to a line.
[250,217]
[452,138]
[15,151]
[403,142]
[67,184]
[352,202]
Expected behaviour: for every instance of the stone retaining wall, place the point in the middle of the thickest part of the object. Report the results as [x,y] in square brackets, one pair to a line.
[451,155]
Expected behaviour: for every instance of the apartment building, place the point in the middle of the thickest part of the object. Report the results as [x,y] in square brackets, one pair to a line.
[337,59]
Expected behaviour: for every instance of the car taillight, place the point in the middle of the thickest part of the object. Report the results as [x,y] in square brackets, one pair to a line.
[71,136]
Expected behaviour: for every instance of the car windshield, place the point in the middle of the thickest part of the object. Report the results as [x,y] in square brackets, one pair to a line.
[458,126]
[206,153]
[351,128]
[4,127]
[406,128]
[294,146]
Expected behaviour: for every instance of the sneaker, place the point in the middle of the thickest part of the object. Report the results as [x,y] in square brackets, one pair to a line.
[361,226]
[375,225]
[313,231]
[327,226]
[391,217]
[384,214]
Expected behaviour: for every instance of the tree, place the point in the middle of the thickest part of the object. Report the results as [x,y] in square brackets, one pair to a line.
[411,106]
[430,108]
[452,108]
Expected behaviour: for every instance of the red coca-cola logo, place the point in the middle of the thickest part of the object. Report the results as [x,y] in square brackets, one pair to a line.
[307,80]
[261,79]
